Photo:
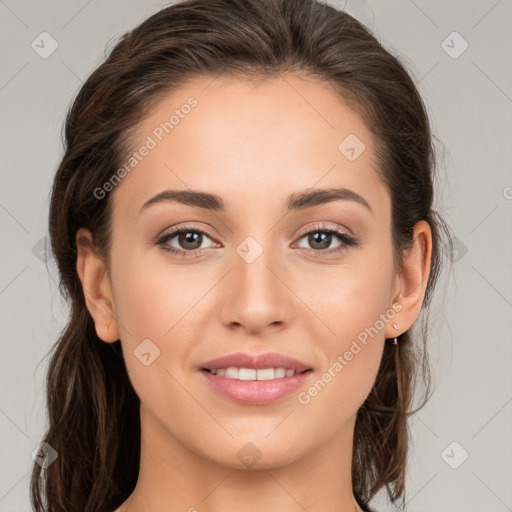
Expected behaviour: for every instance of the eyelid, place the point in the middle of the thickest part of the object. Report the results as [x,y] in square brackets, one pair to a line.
[344,235]
[322,226]
[185,227]
[162,241]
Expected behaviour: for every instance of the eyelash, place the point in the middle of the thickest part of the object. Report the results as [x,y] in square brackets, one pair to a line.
[345,239]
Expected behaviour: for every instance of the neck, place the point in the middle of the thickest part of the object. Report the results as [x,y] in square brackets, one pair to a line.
[174,477]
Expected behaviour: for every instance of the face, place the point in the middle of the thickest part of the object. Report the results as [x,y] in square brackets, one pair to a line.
[310,280]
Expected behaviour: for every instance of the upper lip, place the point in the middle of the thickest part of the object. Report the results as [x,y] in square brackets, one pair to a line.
[257,361]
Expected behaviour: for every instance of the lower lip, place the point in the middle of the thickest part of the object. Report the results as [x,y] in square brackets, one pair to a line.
[255,392]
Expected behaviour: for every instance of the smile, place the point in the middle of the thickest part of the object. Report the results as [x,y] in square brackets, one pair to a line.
[251,386]
[254,373]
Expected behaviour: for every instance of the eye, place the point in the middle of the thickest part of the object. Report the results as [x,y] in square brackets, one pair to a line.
[184,241]
[321,237]
[188,240]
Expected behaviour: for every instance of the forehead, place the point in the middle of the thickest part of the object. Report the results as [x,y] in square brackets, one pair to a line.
[246,140]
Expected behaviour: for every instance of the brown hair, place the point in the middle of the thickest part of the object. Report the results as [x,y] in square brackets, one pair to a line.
[94,422]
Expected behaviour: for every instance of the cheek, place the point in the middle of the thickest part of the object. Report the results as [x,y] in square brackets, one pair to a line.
[157,302]
[354,303]
[151,309]
[150,299]
[351,356]
[145,308]
[350,300]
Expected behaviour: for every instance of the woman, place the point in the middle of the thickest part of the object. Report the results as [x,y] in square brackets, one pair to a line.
[244,228]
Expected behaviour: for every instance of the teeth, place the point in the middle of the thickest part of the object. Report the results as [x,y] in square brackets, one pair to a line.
[247,374]
[279,373]
[232,372]
[253,374]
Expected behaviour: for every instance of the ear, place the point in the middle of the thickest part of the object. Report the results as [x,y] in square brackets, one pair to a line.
[412,280]
[96,287]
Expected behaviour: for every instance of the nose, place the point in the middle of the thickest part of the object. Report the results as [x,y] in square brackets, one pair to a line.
[255,295]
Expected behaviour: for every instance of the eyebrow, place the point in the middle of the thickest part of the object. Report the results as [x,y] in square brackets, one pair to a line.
[295,201]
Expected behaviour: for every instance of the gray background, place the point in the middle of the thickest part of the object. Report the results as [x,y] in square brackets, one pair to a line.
[469,99]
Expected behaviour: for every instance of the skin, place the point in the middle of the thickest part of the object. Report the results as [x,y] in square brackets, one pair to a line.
[253,145]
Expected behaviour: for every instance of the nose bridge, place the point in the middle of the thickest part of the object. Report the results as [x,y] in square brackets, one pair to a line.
[255,293]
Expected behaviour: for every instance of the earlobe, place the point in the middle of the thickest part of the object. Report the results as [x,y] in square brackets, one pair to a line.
[413,277]
[96,287]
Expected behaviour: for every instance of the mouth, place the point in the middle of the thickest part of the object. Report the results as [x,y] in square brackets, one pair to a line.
[255,374]
[255,379]
[247,366]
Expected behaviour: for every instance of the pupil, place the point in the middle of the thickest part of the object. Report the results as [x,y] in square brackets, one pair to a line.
[324,239]
[190,238]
